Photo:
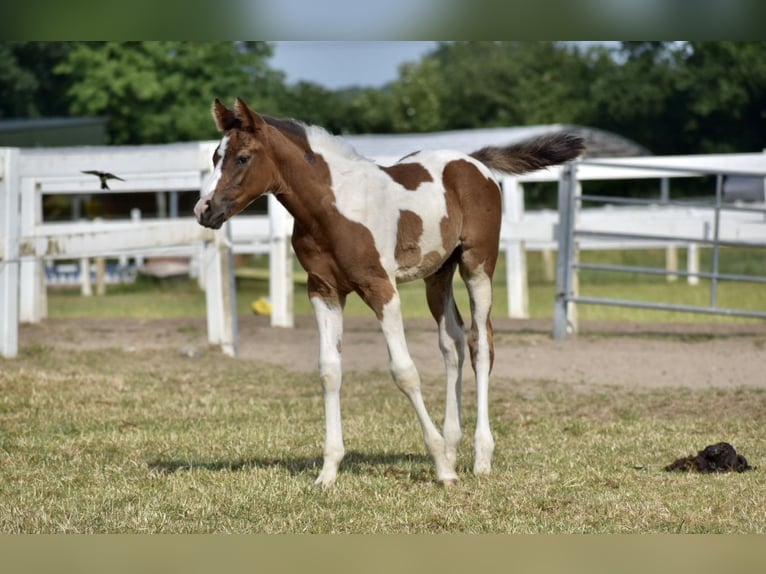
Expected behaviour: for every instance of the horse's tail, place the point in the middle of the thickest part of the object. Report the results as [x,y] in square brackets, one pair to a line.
[531,154]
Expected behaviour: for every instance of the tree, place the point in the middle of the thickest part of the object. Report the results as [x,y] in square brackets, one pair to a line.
[369,110]
[28,87]
[685,97]
[312,104]
[156,92]
[483,84]
[417,97]
[635,95]
[724,84]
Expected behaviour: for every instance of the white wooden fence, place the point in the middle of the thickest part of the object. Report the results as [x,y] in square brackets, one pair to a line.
[26,241]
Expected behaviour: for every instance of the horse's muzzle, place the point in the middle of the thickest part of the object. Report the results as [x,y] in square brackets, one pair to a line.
[211,220]
[207,216]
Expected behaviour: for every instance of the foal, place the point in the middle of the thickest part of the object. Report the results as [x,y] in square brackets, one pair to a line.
[363,227]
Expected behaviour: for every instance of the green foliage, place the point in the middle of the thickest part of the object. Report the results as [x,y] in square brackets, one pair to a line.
[161,91]
[691,97]
[28,85]
[509,83]
[726,87]
[671,97]
[370,111]
[418,97]
[312,104]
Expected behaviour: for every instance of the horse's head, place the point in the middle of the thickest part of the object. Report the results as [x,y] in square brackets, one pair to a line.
[243,165]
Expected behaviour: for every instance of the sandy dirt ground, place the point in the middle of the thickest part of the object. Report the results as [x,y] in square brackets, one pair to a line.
[630,355]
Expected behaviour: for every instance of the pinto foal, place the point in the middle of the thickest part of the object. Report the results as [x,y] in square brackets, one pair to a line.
[363,227]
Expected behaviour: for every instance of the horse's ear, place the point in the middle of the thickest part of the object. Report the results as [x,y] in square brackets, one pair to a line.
[251,121]
[224,117]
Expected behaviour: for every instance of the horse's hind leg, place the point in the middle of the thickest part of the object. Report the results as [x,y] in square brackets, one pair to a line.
[441,302]
[480,343]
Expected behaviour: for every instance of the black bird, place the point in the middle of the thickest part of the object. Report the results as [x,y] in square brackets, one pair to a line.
[103,176]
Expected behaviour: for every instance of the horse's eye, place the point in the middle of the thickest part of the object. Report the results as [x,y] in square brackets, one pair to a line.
[243,159]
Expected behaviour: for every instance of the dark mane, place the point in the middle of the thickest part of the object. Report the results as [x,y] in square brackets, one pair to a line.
[291,128]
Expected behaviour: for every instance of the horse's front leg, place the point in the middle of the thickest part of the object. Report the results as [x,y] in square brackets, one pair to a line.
[406,376]
[329,317]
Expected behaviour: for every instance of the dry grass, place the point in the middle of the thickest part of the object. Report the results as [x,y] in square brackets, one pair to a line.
[158,442]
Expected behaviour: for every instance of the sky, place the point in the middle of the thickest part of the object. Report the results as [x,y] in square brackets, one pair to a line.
[334,64]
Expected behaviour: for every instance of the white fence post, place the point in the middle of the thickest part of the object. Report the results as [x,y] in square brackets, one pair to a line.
[33,298]
[220,293]
[671,262]
[9,252]
[693,264]
[280,266]
[515,251]
[86,285]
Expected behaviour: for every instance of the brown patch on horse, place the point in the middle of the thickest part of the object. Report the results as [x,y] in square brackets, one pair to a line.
[339,255]
[481,203]
[408,175]
[408,233]
[408,253]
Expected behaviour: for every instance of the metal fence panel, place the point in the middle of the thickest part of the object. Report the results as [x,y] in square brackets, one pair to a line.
[751,235]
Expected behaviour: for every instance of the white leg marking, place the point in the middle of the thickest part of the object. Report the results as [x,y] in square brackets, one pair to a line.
[452,345]
[406,376]
[480,290]
[330,323]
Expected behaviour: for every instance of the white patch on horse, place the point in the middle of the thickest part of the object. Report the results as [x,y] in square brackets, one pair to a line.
[212,181]
[366,194]
[330,323]
[480,286]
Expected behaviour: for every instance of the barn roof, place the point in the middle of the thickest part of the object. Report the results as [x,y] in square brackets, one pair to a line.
[391,147]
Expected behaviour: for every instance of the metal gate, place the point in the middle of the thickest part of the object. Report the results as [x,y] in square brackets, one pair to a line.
[570,232]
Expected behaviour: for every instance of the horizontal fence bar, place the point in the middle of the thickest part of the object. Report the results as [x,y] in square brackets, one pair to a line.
[673,203]
[639,201]
[669,307]
[658,271]
[665,238]
[702,170]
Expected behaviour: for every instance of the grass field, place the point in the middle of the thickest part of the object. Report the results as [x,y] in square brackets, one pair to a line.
[161,442]
[164,443]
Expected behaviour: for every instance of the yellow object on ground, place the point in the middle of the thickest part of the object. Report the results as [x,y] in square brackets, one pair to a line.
[261,306]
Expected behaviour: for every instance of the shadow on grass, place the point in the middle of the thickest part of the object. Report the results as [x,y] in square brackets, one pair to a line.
[415,466]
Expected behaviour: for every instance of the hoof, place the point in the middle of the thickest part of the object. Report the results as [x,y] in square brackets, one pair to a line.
[324,482]
[449,482]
